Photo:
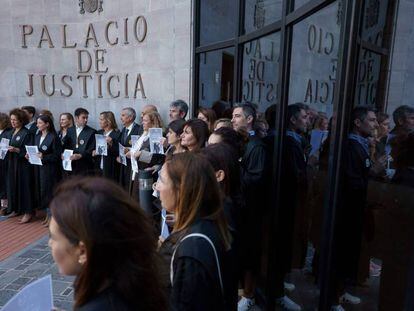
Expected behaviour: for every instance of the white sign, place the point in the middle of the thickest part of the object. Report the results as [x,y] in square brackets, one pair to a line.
[4,145]
[101,145]
[67,162]
[33,153]
[37,296]
[156,139]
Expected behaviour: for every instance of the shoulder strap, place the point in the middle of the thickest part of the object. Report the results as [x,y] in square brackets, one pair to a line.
[199,235]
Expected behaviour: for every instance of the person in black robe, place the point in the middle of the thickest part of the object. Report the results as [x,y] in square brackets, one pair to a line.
[128,116]
[253,172]
[81,139]
[20,195]
[293,188]
[31,113]
[107,166]
[350,213]
[47,175]
[4,133]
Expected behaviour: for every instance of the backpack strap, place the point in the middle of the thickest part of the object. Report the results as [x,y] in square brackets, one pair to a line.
[198,235]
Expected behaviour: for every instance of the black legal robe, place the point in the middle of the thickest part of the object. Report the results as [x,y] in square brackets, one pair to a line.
[293,192]
[351,210]
[20,175]
[47,175]
[125,172]
[196,284]
[3,167]
[83,145]
[33,128]
[110,165]
[253,173]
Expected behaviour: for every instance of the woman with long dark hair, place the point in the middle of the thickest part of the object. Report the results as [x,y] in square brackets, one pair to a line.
[100,235]
[195,135]
[4,133]
[50,150]
[197,250]
[20,194]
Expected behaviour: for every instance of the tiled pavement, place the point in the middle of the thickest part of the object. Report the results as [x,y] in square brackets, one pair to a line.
[30,264]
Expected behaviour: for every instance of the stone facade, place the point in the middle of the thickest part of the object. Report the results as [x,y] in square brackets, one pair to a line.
[162,58]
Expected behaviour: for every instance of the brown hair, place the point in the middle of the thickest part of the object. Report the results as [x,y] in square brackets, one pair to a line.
[69,116]
[4,121]
[198,193]
[200,131]
[110,118]
[21,116]
[119,239]
[47,113]
[227,123]
[155,118]
[210,115]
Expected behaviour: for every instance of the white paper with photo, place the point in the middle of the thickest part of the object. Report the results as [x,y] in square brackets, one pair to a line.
[156,139]
[37,296]
[4,147]
[122,155]
[101,145]
[67,162]
[135,147]
[165,232]
[33,151]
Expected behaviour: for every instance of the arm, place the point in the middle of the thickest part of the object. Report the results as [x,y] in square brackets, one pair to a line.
[55,155]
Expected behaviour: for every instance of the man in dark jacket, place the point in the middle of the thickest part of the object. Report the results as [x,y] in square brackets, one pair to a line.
[81,139]
[128,116]
[31,113]
[253,170]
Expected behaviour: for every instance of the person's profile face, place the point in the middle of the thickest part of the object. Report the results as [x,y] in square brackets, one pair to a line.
[165,188]
[368,125]
[203,118]
[238,119]
[172,137]
[103,123]
[82,119]
[146,122]
[214,139]
[65,254]
[15,123]
[409,121]
[126,119]
[301,121]
[384,127]
[41,125]
[174,113]
[64,121]
[187,138]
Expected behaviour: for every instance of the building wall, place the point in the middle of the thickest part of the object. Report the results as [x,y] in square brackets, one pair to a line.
[401,84]
[163,59]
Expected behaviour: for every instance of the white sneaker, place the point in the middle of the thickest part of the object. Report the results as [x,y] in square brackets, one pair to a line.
[245,304]
[337,308]
[288,304]
[290,287]
[348,298]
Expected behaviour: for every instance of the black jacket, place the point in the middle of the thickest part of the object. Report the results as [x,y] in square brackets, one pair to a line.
[196,285]
[47,175]
[107,300]
[83,145]
[125,172]
[111,167]
[3,167]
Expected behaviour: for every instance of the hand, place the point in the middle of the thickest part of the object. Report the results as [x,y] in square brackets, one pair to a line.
[164,142]
[109,140]
[128,154]
[14,149]
[137,154]
[152,169]
[170,219]
[75,157]
[26,156]
[118,160]
[127,150]
[40,155]
[379,165]
[94,153]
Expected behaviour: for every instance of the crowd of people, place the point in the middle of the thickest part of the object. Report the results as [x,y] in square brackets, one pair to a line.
[212,189]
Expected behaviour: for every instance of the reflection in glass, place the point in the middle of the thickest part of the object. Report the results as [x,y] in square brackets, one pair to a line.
[305,155]
[260,71]
[216,77]
[369,70]
[259,13]
[374,21]
[218,20]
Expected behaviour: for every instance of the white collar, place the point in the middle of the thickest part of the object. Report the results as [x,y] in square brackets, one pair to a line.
[129,128]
